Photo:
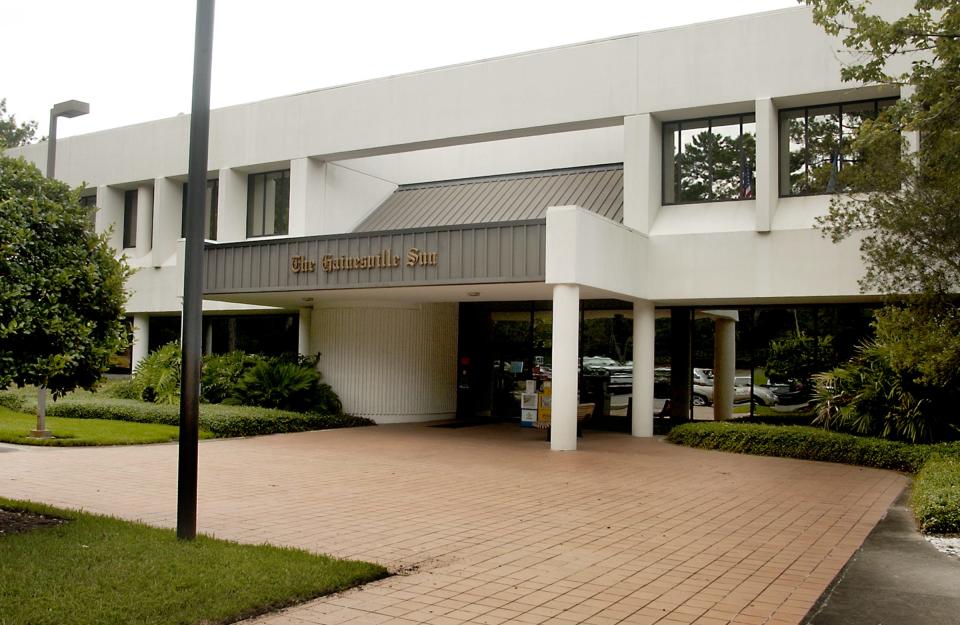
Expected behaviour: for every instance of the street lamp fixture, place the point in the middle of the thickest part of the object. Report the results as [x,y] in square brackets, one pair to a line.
[70,108]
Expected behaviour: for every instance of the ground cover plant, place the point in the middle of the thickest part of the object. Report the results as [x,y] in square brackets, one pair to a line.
[102,571]
[15,427]
[218,419]
[936,495]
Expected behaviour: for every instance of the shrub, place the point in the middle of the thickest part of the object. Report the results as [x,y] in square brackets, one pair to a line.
[221,372]
[873,395]
[936,496]
[121,390]
[798,357]
[277,383]
[11,401]
[221,420]
[157,377]
[807,443]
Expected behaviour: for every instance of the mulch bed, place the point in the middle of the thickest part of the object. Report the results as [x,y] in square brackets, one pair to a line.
[13,522]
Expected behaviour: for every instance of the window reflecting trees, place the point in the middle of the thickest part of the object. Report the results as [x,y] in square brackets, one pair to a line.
[816,145]
[709,160]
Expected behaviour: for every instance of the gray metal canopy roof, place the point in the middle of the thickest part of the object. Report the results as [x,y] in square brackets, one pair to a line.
[514,197]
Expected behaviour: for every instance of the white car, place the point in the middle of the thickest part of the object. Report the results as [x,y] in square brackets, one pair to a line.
[761,394]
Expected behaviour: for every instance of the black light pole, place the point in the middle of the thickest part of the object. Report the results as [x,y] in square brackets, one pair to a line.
[70,108]
[191,341]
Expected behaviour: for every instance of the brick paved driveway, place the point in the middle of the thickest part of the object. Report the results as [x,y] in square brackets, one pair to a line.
[488,526]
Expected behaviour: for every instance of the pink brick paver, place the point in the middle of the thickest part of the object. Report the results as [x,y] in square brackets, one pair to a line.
[486,525]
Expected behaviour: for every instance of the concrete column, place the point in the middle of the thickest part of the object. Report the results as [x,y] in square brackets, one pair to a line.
[641,171]
[144,219]
[141,339]
[681,362]
[644,333]
[303,336]
[566,338]
[167,218]
[208,339]
[307,178]
[232,206]
[110,203]
[768,172]
[724,367]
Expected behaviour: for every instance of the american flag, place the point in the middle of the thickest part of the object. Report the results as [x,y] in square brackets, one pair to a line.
[746,181]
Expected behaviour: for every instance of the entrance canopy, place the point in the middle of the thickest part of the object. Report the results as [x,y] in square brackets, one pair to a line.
[489,230]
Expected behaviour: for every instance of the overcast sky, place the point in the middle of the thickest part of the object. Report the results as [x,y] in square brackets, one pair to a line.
[132,59]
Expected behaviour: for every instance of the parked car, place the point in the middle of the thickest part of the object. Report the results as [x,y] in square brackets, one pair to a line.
[789,393]
[703,376]
[621,376]
[761,394]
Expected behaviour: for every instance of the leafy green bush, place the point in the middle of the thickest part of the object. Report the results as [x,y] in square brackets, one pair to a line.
[221,372]
[157,377]
[237,378]
[807,443]
[276,383]
[799,356]
[121,390]
[936,496]
[874,395]
[221,420]
[11,401]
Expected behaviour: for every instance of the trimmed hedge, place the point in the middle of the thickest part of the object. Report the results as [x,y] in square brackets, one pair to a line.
[936,496]
[936,490]
[222,421]
[807,443]
[11,401]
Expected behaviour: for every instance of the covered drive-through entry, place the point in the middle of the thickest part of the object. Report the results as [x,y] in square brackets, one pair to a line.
[383,306]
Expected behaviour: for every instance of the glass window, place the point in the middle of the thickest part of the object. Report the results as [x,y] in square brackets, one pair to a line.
[90,203]
[209,213]
[815,145]
[130,218]
[709,160]
[268,203]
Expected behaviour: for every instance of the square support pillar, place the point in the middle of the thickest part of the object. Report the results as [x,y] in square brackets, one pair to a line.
[110,215]
[566,354]
[167,218]
[307,198]
[724,368]
[144,220]
[768,167]
[641,171]
[303,334]
[232,206]
[141,340]
[644,334]
[681,362]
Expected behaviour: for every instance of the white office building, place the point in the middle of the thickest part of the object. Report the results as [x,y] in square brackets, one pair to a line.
[396,225]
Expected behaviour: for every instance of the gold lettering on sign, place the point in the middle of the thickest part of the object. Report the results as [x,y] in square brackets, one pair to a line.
[299,264]
[386,259]
[416,257]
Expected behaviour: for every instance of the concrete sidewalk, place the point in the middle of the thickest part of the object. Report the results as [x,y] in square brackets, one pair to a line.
[895,577]
[488,526]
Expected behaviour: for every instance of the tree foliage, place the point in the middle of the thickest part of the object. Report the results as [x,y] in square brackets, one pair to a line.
[61,289]
[12,133]
[905,199]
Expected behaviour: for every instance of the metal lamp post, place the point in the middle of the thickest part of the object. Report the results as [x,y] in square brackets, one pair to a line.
[70,108]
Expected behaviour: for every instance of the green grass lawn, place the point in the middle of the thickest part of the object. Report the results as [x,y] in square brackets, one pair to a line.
[96,570]
[15,427]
